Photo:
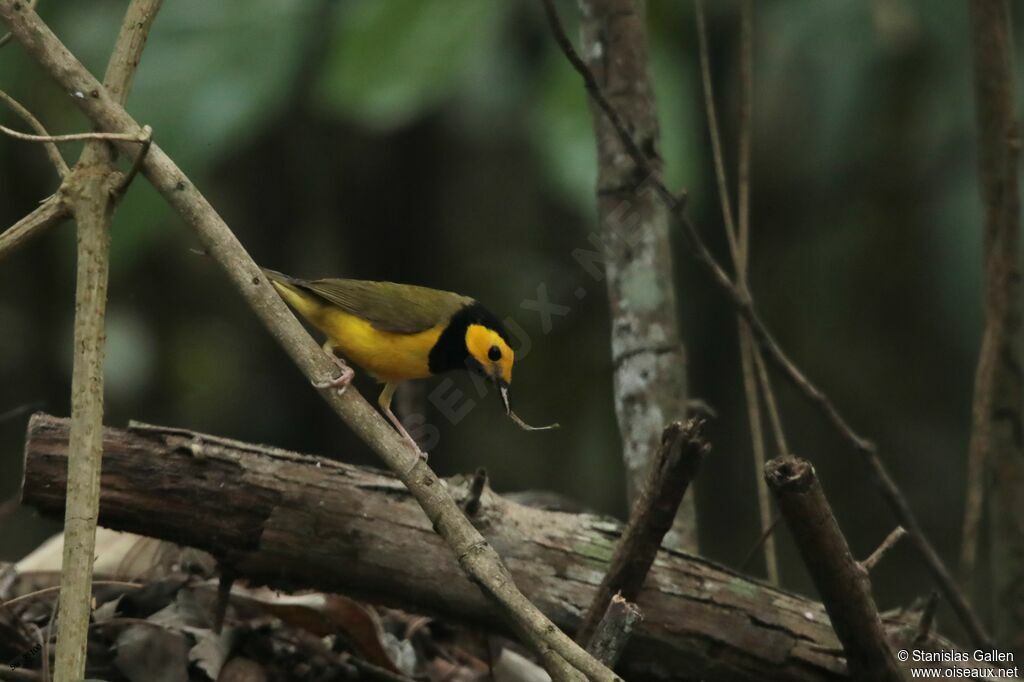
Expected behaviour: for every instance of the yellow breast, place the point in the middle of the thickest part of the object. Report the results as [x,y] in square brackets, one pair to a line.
[387,356]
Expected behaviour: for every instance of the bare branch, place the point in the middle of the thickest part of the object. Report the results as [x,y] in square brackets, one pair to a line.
[58,161]
[888,543]
[126,181]
[924,626]
[613,632]
[765,534]
[682,450]
[716,138]
[51,211]
[474,554]
[844,586]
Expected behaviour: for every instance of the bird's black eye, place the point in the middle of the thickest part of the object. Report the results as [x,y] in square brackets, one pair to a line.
[494,354]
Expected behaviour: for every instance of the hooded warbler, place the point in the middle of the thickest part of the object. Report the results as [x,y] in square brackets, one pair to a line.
[397,332]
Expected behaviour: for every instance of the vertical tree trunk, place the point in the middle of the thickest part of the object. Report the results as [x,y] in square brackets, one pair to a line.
[648,356]
[1001,424]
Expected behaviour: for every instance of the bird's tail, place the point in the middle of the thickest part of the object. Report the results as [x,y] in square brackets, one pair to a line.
[293,291]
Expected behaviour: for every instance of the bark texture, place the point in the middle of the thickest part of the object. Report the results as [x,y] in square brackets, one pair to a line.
[297,521]
[647,353]
[997,452]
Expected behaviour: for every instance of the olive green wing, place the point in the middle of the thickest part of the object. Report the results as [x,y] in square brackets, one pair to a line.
[390,307]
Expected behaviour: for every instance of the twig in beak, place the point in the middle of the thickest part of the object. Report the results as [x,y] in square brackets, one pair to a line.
[515,417]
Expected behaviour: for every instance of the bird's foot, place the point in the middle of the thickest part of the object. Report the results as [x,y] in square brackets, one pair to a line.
[405,434]
[342,381]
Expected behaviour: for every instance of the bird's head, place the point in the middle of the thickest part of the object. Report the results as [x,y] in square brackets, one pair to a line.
[476,340]
[488,353]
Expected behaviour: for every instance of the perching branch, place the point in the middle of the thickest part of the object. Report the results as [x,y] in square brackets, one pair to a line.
[476,557]
[843,584]
[744,305]
[88,190]
[674,467]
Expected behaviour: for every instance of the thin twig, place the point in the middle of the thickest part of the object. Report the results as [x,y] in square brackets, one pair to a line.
[126,181]
[673,468]
[765,534]
[58,161]
[716,139]
[475,556]
[744,305]
[51,211]
[998,373]
[746,71]
[590,83]
[888,543]
[924,626]
[56,588]
[76,137]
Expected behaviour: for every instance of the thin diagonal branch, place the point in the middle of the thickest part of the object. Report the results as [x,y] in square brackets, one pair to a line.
[475,556]
[58,161]
[744,305]
[51,211]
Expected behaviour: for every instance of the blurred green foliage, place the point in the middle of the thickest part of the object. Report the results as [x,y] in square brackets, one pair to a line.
[448,143]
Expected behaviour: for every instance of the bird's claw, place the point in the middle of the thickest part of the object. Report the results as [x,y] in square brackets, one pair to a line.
[342,381]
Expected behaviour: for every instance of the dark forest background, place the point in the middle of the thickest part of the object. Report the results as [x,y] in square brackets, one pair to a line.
[447,143]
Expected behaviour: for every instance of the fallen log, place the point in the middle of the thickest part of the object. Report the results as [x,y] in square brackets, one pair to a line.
[296,521]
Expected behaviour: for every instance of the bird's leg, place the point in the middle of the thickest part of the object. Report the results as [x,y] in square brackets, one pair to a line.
[385,405]
[344,379]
